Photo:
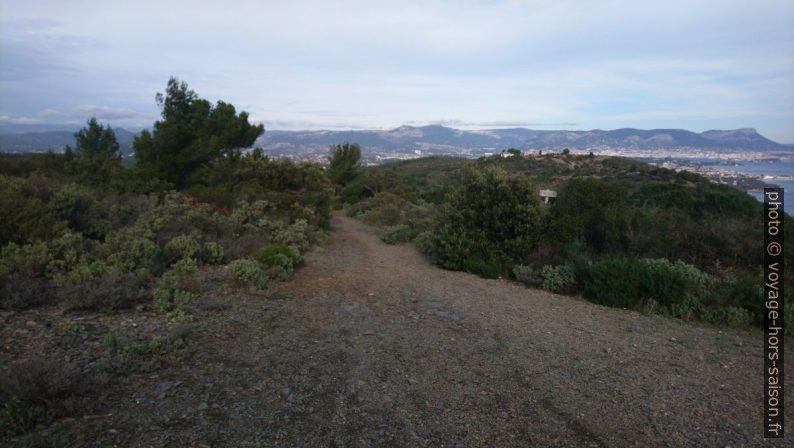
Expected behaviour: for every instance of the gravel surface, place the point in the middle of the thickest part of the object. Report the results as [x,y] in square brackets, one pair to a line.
[369,345]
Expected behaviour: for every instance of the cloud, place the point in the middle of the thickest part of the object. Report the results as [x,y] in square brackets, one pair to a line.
[353,64]
[81,114]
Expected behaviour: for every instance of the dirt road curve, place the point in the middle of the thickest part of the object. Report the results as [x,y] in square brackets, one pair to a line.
[369,345]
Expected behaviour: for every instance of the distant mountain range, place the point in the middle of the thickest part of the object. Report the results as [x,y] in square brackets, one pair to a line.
[440,139]
[436,139]
[39,141]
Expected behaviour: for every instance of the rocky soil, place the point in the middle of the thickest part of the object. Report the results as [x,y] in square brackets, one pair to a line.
[369,345]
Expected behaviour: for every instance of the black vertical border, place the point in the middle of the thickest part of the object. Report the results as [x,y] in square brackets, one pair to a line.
[773,313]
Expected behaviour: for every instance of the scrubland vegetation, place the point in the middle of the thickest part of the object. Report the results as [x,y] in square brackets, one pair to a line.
[620,233]
[80,233]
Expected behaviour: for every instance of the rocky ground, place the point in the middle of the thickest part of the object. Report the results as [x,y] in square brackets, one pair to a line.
[369,345]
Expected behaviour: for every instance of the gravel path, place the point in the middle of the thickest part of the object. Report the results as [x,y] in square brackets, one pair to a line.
[369,345]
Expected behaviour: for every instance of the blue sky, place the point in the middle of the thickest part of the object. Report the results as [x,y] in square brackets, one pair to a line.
[691,64]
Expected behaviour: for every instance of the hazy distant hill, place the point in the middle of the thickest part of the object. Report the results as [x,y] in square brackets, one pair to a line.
[54,140]
[440,139]
[435,140]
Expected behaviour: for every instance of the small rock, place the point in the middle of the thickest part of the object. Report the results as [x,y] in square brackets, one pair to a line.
[286,392]
[203,406]
[30,323]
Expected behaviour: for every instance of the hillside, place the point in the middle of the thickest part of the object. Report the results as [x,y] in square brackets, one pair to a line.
[444,140]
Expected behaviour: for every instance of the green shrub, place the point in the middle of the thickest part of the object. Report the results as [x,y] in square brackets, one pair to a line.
[559,278]
[296,234]
[84,272]
[727,315]
[275,255]
[491,219]
[483,266]
[68,251]
[30,258]
[247,215]
[213,252]
[25,216]
[424,242]
[629,282]
[281,259]
[78,206]
[177,287]
[183,246]
[743,290]
[595,210]
[246,272]
[396,234]
[130,249]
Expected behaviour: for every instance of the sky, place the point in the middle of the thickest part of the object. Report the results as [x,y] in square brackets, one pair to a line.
[600,64]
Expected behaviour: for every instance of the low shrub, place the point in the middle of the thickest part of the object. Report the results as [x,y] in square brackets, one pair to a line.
[559,278]
[131,249]
[278,255]
[297,234]
[183,246]
[22,290]
[112,291]
[245,272]
[527,274]
[40,392]
[727,315]
[213,253]
[177,287]
[396,234]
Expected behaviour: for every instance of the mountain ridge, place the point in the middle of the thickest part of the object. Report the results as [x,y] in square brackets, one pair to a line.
[438,138]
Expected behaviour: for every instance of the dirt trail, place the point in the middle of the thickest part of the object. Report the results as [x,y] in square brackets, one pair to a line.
[369,345]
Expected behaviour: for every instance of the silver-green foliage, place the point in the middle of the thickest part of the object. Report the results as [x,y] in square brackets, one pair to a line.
[245,272]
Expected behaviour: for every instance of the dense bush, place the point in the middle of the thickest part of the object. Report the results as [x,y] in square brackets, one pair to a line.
[490,222]
[593,210]
[628,282]
[25,215]
[482,265]
[396,234]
